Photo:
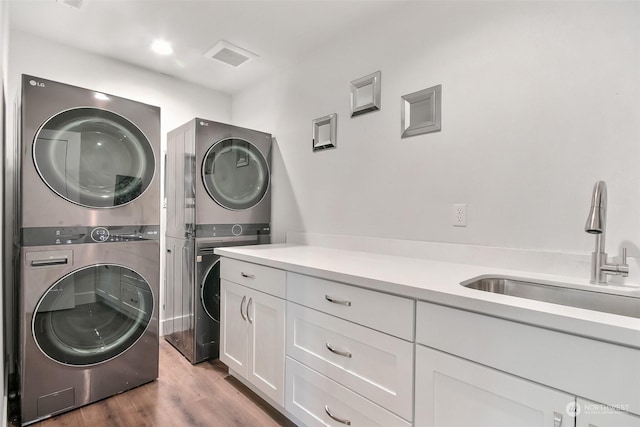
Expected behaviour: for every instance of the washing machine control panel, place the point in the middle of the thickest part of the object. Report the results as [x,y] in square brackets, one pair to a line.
[45,236]
[100,234]
[232,230]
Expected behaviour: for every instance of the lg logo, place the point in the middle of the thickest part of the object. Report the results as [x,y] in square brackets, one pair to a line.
[35,83]
[204,124]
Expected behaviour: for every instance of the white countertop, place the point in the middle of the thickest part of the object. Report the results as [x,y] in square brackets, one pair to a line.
[439,282]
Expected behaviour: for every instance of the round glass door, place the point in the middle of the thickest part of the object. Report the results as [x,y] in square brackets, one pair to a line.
[210,292]
[92,315]
[93,157]
[235,174]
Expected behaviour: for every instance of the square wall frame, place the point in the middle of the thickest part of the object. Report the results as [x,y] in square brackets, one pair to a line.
[421,112]
[324,132]
[365,94]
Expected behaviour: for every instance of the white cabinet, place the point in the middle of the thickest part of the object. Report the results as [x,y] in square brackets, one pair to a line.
[453,392]
[252,337]
[591,414]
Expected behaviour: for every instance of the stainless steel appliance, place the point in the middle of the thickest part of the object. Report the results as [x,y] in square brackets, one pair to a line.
[88,158]
[218,194]
[193,295]
[88,316]
[218,181]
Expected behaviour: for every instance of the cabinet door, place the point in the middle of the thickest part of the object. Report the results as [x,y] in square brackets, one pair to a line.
[591,414]
[266,367]
[234,328]
[454,392]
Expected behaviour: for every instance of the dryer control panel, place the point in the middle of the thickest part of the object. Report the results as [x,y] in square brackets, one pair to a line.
[45,236]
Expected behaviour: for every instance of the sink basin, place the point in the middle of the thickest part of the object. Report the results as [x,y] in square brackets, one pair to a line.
[591,300]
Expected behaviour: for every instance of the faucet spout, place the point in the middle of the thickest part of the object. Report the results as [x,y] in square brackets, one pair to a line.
[597,219]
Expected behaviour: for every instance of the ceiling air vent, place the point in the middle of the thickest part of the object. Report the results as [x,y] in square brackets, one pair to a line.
[73,3]
[229,53]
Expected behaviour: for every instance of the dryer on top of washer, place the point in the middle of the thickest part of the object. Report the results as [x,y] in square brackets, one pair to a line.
[217,181]
[87,158]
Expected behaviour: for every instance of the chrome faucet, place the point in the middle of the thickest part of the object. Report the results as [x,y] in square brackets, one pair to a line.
[597,224]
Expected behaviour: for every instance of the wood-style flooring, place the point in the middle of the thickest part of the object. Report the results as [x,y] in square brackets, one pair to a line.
[183,395]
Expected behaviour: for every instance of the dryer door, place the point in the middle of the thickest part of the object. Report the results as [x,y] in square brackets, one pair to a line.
[92,314]
[210,290]
[93,157]
[235,174]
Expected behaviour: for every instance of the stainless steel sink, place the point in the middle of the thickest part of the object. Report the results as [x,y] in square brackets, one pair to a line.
[591,300]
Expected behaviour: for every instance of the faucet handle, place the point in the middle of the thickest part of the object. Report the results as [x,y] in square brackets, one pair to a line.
[623,267]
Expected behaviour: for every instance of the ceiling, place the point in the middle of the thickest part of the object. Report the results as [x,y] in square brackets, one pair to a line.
[278,31]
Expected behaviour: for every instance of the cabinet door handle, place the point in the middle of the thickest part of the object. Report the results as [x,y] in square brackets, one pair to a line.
[337,301]
[248,304]
[557,419]
[340,420]
[248,276]
[244,298]
[338,352]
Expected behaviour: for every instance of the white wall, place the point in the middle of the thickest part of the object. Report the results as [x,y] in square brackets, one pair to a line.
[540,100]
[179,101]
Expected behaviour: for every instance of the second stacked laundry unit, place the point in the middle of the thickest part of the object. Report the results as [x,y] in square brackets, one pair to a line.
[218,194]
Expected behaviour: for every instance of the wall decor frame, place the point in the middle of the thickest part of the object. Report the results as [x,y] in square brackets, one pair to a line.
[365,94]
[325,132]
[421,112]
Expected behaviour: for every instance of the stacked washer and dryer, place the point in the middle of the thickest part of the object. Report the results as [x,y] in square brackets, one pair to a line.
[218,194]
[89,255]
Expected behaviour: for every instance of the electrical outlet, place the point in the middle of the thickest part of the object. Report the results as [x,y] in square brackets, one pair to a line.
[459,215]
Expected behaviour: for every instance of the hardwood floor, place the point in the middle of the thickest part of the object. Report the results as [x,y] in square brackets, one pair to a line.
[183,395]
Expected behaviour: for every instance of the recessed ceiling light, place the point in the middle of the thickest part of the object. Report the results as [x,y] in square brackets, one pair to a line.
[161,47]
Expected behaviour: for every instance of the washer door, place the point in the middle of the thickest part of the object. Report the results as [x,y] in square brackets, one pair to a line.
[210,291]
[235,174]
[92,315]
[93,157]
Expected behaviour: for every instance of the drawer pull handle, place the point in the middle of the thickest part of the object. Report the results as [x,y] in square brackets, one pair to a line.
[244,298]
[338,352]
[47,262]
[557,419]
[337,301]
[249,304]
[248,276]
[340,420]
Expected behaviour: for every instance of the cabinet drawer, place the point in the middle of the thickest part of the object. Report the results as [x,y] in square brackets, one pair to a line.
[387,313]
[310,396]
[264,279]
[373,364]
